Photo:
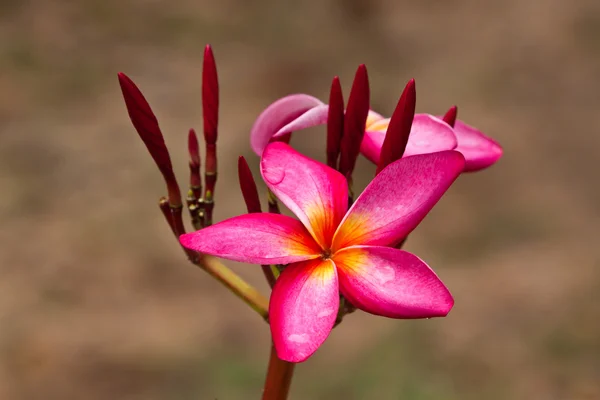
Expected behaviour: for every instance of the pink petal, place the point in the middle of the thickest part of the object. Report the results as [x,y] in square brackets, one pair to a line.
[371,145]
[398,199]
[479,150]
[256,239]
[317,194]
[372,117]
[303,308]
[277,115]
[390,282]
[313,117]
[428,134]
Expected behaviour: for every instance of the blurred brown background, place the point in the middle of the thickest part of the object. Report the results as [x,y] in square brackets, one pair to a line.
[98,302]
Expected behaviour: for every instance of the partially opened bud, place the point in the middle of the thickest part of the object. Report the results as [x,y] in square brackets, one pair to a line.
[355,121]
[146,124]
[335,123]
[450,116]
[399,127]
[248,186]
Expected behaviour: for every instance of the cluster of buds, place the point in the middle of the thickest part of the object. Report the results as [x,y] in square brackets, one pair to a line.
[200,205]
[341,253]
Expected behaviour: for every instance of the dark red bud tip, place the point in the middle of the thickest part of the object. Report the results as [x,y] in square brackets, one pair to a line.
[146,125]
[210,96]
[335,122]
[355,121]
[399,127]
[248,186]
[450,116]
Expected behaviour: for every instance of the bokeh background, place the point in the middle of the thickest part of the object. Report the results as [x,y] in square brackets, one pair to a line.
[96,299]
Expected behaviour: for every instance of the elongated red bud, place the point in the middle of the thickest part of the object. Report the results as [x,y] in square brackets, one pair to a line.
[399,127]
[450,116]
[248,186]
[355,121]
[194,150]
[210,96]
[210,113]
[335,123]
[146,125]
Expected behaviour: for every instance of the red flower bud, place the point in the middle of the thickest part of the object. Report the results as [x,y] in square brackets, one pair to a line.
[450,116]
[335,123]
[146,124]
[399,127]
[210,113]
[355,121]
[248,186]
[210,96]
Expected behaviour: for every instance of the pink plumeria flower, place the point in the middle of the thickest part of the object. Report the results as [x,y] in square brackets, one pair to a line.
[428,134]
[333,249]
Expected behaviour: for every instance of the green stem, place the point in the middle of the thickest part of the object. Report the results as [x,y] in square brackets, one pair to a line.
[214,267]
[279,378]
[234,283]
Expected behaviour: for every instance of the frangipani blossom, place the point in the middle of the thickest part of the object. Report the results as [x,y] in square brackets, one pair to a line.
[332,249]
[429,134]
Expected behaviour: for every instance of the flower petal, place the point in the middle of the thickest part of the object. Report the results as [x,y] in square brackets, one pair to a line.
[255,238]
[276,116]
[390,282]
[398,199]
[313,117]
[479,150]
[372,117]
[371,145]
[303,308]
[317,194]
[428,134]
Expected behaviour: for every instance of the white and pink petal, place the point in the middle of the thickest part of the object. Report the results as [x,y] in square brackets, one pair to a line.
[277,115]
[313,117]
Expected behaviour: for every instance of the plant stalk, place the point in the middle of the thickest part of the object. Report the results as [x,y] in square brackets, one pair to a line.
[235,284]
[279,378]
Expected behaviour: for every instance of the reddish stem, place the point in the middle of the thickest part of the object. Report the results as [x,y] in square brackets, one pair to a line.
[279,378]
